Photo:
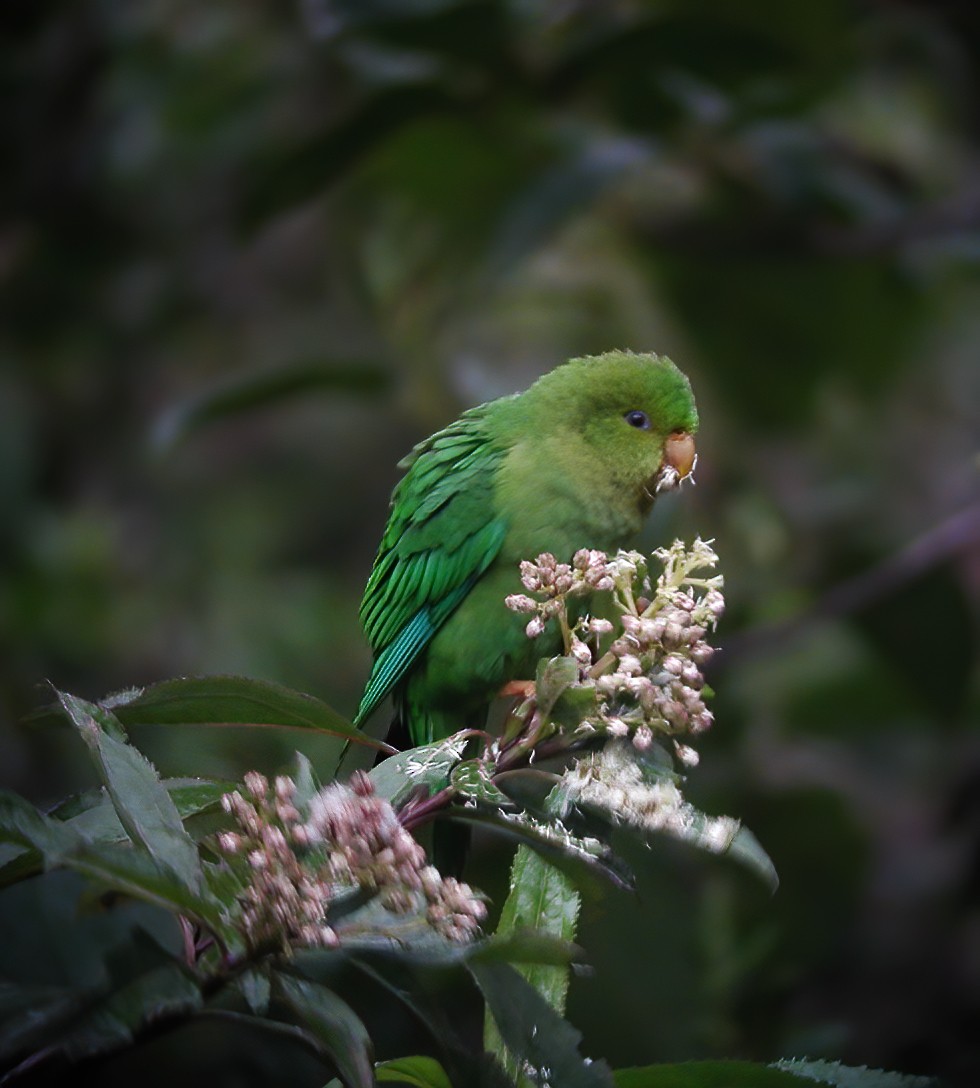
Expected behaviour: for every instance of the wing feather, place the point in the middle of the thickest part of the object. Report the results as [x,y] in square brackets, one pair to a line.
[442,534]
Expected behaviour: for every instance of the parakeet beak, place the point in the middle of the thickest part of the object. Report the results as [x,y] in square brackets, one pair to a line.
[680,454]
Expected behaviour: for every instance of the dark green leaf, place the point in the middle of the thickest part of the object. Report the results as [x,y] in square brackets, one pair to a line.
[340,1033]
[722,1074]
[118,866]
[791,1073]
[554,676]
[264,389]
[255,987]
[35,1017]
[579,859]
[533,1032]
[471,778]
[428,765]
[842,1076]
[417,1072]
[524,946]
[142,803]
[98,822]
[194,796]
[573,706]
[87,1023]
[301,173]
[232,700]
[562,191]
[21,823]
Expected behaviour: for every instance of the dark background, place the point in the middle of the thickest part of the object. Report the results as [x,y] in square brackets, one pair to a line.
[250,253]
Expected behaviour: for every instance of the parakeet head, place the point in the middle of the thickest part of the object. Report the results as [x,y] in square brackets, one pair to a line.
[635,415]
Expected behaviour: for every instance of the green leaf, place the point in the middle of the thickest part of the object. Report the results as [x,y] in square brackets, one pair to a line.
[746,849]
[790,1073]
[428,765]
[195,796]
[562,191]
[534,1033]
[554,676]
[255,987]
[32,1015]
[636,794]
[21,823]
[581,859]
[142,803]
[542,900]
[719,1074]
[144,983]
[231,700]
[417,1072]
[118,866]
[406,940]
[93,816]
[524,946]
[471,778]
[282,179]
[267,388]
[842,1076]
[334,1024]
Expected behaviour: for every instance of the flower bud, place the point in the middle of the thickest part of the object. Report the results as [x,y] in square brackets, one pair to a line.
[581,652]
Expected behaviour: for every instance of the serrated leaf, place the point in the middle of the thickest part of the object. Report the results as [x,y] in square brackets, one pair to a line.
[428,765]
[534,1033]
[142,803]
[628,792]
[715,1074]
[472,779]
[576,857]
[232,700]
[334,1024]
[842,1076]
[417,1072]
[541,900]
[118,866]
[21,823]
[526,946]
[83,1024]
[92,815]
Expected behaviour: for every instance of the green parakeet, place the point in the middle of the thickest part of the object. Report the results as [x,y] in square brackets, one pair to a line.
[573,462]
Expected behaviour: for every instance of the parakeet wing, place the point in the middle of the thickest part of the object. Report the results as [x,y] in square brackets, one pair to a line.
[442,534]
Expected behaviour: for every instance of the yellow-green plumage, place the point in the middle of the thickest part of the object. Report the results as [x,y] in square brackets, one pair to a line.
[567,464]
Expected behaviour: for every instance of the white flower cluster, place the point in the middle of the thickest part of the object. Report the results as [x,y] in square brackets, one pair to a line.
[650,682]
[554,582]
[351,838]
[612,779]
[656,685]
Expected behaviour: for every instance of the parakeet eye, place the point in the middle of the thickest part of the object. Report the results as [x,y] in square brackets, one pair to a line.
[638,419]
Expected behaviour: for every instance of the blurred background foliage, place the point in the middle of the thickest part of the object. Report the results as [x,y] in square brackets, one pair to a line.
[251,252]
